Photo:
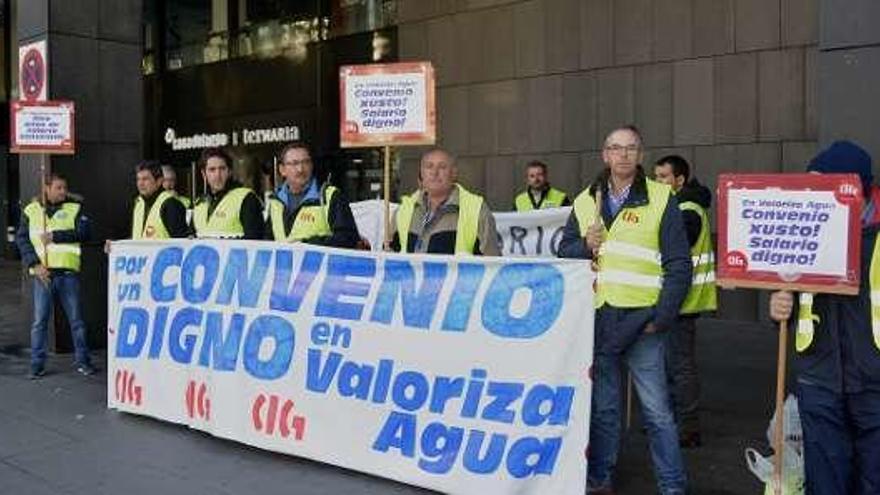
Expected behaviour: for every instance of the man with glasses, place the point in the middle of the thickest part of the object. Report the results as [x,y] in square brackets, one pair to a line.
[302,210]
[631,229]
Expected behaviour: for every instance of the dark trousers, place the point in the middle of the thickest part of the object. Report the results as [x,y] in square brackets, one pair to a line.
[684,379]
[841,441]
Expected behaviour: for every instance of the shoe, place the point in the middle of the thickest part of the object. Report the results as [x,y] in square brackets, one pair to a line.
[85,369]
[36,373]
[690,440]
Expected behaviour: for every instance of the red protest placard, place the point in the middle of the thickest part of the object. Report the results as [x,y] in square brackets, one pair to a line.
[790,231]
[387,105]
[42,127]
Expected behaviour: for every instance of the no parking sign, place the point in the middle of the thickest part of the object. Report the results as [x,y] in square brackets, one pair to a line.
[33,71]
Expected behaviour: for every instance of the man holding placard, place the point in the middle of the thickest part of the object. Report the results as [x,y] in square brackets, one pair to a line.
[228,210]
[631,228]
[442,216]
[302,210]
[837,361]
[694,200]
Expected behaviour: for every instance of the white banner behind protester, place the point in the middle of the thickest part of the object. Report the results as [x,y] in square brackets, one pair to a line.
[533,233]
[466,375]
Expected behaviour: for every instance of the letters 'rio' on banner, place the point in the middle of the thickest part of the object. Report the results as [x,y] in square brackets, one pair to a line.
[466,375]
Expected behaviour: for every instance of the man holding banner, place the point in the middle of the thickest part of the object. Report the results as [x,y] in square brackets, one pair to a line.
[442,216]
[539,194]
[637,240]
[228,210]
[694,200]
[49,240]
[303,210]
[156,213]
[838,357]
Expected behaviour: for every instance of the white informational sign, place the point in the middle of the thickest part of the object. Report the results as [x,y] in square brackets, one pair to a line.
[791,231]
[33,71]
[42,127]
[465,375]
[387,104]
[532,233]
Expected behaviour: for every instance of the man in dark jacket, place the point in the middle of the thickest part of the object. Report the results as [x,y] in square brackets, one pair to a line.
[49,237]
[302,210]
[636,238]
[156,214]
[694,201]
[837,358]
[228,210]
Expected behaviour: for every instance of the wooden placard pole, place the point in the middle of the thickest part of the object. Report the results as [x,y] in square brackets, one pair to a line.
[387,196]
[778,433]
[44,158]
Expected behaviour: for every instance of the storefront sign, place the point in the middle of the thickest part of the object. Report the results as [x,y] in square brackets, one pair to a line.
[387,105]
[418,368]
[237,137]
[42,127]
[794,231]
[33,71]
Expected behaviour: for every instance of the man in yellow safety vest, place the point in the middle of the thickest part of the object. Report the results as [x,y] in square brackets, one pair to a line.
[636,239]
[228,210]
[156,213]
[49,236]
[442,216]
[302,210]
[694,200]
[539,194]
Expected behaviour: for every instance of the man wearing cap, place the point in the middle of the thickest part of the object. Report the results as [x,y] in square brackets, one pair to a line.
[837,356]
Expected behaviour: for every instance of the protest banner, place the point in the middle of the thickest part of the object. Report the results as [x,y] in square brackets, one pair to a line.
[466,375]
[533,233]
[387,105]
[791,232]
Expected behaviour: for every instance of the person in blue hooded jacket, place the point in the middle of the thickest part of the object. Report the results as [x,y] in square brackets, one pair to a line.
[837,356]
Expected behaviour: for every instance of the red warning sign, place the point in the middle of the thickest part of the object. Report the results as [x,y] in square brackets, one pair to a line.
[33,71]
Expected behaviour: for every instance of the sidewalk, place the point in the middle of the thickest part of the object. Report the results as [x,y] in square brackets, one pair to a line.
[57,437]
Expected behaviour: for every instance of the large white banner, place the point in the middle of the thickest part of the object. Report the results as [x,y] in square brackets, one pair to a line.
[461,374]
[532,233]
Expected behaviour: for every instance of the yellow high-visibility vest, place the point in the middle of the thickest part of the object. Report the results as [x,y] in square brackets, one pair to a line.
[153,227]
[224,222]
[702,295]
[630,270]
[553,199]
[61,256]
[466,230]
[310,221]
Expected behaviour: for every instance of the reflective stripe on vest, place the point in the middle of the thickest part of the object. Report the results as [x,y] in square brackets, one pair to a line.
[224,222]
[64,256]
[153,227]
[553,199]
[806,322]
[874,285]
[630,269]
[702,295]
[311,221]
[467,227]
[187,204]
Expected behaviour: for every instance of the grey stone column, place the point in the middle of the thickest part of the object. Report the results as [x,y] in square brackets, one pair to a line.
[95,49]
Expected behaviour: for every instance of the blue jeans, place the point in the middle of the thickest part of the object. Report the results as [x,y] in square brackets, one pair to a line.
[646,359]
[66,286]
[841,440]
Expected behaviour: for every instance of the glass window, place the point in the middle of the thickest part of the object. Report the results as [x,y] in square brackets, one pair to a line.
[358,16]
[196,32]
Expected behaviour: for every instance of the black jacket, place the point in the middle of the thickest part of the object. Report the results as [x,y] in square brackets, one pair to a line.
[843,357]
[694,192]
